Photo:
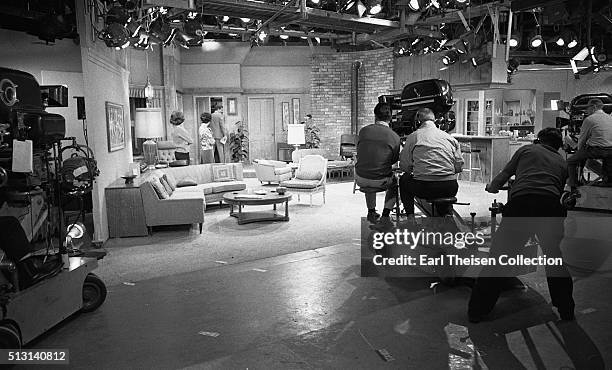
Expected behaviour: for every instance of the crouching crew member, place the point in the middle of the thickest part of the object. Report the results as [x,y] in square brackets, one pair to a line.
[540,174]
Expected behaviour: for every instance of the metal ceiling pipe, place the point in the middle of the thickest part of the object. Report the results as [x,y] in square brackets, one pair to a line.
[355,96]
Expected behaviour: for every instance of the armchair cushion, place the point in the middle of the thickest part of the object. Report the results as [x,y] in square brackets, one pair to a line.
[282,170]
[171,181]
[308,174]
[301,184]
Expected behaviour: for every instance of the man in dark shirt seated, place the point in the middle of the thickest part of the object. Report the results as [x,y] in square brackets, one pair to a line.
[431,160]
[533,209]
[377,151]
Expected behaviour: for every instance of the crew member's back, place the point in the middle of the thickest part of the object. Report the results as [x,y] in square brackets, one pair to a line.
[377,151]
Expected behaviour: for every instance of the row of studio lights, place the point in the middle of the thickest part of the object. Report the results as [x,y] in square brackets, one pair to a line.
[565,39]
[123,29]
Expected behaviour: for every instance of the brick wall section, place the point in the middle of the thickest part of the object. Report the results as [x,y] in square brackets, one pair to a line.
[331,91]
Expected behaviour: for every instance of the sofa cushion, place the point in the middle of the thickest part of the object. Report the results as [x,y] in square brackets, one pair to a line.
[298,183]
[308,174]
[164,182]
[223,172]
[188,195]
[222,187]
[159,188]
[199,188]
[171,180]
[282,170]
[186,182]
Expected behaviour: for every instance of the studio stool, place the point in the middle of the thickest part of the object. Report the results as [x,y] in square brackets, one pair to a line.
[437,203]
[473,164]
[367,190]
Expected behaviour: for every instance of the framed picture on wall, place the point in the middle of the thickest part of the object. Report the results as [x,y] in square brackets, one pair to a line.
[285,115]
[296,110]
[115,126]
[231,107]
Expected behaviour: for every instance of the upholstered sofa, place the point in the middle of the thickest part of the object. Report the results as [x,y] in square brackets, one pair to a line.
[272,171]
[191,189]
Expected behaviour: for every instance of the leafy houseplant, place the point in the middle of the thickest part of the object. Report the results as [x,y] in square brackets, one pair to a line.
[312,135]
[239,143]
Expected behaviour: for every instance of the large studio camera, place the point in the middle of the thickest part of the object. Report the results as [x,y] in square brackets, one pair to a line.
[22,117]
[433,94]
[577,113]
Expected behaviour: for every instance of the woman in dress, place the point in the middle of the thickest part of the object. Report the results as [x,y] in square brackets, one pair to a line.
[207,141]
[180,136]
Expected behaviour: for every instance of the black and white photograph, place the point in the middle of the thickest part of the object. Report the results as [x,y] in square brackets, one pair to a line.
[309,184]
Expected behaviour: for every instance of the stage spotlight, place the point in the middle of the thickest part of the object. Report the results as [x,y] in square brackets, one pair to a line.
[536,41]
[161,31]
[414,5]
[415,41]
[116,14]
[318,40]
[375,6]
[476,62]
[115,36]
[462,1]
[559,41]
[284,37]
[513,65]
[515,41]
[450,57]
[133,27]
[582,54]
[245,20]
[361,8]
[572,43]
[316,2]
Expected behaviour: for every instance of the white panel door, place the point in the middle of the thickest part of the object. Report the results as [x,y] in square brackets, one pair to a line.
[262,141]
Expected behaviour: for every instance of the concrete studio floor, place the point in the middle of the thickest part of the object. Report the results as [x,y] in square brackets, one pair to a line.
[289,296]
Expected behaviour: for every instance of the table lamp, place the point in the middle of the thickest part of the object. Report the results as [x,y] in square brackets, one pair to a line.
[295,135]
[149,125]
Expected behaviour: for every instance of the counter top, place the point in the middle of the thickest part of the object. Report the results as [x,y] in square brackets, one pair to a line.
[480,137]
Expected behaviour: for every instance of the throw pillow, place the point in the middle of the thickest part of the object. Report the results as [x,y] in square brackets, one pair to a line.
[223,173]
[164,182]
[159,188]
[308,175]
[187,181]
[171,181]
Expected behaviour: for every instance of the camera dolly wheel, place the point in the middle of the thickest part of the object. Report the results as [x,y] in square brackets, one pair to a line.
[10,338]
[94,293]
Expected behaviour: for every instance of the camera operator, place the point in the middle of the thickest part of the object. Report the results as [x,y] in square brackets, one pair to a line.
[431,160]
[595,142]
[377,151]
[540,174]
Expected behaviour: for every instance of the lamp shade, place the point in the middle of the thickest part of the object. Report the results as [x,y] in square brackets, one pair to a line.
[295,134]
[148,123]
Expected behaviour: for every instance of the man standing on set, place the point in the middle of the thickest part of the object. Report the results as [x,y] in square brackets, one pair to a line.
[595,142]
[377,151]
[217,126]
[533,209]
[431,160]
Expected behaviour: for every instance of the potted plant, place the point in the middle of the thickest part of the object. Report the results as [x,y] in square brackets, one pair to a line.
[239,143]
[313,140]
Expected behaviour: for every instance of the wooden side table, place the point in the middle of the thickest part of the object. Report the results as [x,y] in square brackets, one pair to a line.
[124,209]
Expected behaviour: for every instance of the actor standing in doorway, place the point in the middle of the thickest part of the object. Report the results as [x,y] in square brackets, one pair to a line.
[180,136]
[217,126]
[207,142]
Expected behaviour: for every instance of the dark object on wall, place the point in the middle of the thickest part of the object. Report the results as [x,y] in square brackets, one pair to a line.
[433,94]
[54,95]
[81,107]
[313,140]
[355,96]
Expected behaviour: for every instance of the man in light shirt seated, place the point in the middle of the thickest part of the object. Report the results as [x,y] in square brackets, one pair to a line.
[431,160]
[595,142]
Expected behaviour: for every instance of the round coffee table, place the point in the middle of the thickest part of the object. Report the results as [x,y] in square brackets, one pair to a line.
[243,198]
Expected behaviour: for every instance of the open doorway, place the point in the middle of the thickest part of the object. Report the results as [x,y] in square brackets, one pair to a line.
[208,104]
